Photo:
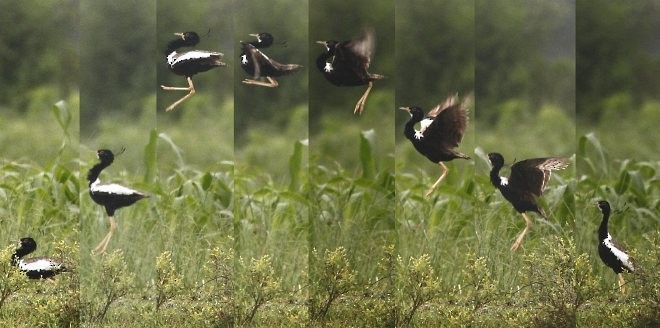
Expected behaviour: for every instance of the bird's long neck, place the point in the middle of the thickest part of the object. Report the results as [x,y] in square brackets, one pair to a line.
[602,230]
[495,178]
[409,130]
[20,252]
[95,171]
[174,45]
[321,60]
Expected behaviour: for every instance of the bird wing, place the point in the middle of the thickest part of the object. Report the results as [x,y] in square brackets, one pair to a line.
[449,121]
[362,48]
[41,264]
[531,175]
[619,253]
[195,54]
[116,189]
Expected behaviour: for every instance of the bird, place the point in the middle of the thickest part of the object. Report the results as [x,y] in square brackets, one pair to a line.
[613,255]
[441,130]
[189,63]
[110,196]
[257,64]
[524,185]
[36,267]
[346,63]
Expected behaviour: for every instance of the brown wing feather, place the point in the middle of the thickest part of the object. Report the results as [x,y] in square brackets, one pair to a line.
[363,46]
[449,124]
[531,175]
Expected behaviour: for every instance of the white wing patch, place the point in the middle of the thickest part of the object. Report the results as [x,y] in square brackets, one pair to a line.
[171,57]
[244,60]
[619,254]
[424,124]
[504,181]
[419,135]
[191,55]
[112,188]
[39,265]
[328,67]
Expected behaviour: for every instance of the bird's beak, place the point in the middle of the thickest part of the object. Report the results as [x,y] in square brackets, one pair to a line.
[407,109]
[181,35]
[321,42]
[254,35]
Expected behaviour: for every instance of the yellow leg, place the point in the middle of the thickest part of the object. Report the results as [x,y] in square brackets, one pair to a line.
[190,88]
[437,182]
[100,248]
[622,283]
[359,107]
[271,82]
[528,224]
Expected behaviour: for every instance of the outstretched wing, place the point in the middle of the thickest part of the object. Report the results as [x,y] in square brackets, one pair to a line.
[531,175]
[446,123]
[362,48]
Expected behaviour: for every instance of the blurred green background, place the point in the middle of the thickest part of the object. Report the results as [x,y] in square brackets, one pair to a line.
[540,75]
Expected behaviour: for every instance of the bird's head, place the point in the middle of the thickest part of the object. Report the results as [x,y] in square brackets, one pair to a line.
[263,40]
[191,38]
[603,205]
[26,245]
[414,111]
[496,160]
[329,44]
[105,155]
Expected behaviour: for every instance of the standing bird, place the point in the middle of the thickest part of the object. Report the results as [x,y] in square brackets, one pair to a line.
[257,64]
[346,63]
[525,184]
[111,196]
[189,63]
[610,252]
[36,267]
[441,130]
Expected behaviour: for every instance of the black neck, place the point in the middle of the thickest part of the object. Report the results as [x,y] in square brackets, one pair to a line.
[409,131]
[95,171]
[174,45]
[602,230]
[321,60]
[495,176]
[20,252]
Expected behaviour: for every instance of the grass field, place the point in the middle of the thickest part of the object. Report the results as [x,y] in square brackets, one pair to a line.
[235,246]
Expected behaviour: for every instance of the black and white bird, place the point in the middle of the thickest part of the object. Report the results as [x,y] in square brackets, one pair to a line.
[111,196]
[347,63]
[441,130]
[257,64]
[609,250]
[524,185]
[189,63]
[36,267]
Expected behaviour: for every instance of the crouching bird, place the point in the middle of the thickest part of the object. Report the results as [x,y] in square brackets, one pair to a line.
[36,267]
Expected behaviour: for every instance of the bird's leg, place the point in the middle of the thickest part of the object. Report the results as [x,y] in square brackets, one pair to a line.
[190,88]
[437,182]
[359,107]
[528,224]
[271,82]
[100,248]
[622,283]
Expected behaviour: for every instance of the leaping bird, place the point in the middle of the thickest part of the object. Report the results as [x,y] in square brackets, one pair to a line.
[609,251]
[189,63]
[36,267]
[257,64]
[441,130]
[524,185]
[346,63]
[111,196]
